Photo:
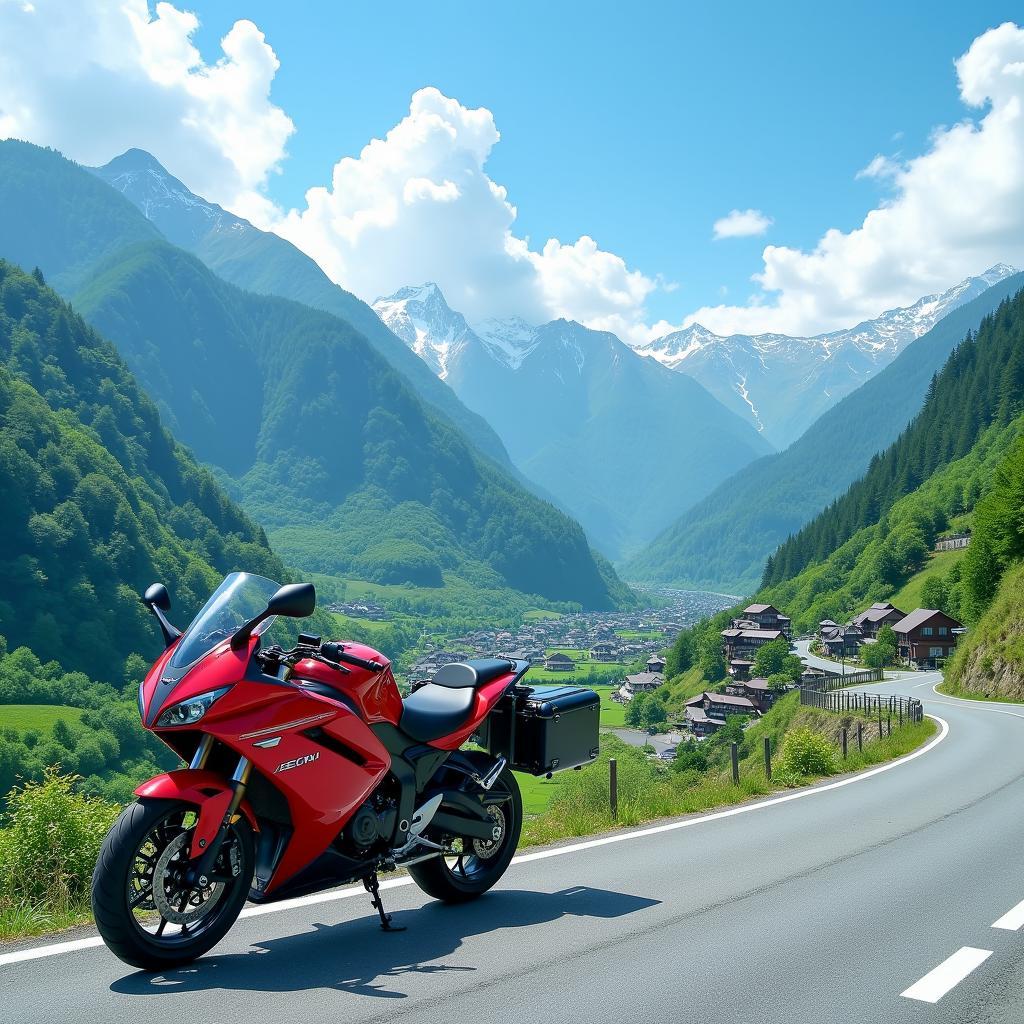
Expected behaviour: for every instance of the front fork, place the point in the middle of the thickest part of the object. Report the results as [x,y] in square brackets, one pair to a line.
[201,866]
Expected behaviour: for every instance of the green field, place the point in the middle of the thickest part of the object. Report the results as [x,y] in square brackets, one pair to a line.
[41,717]
[909,596]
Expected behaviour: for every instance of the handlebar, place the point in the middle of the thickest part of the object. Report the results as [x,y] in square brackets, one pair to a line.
[330,653]
[336,652]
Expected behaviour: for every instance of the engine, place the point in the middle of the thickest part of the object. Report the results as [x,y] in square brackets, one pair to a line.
[372,825]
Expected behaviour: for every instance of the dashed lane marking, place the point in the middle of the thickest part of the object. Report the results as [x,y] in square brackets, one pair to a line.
[936,983]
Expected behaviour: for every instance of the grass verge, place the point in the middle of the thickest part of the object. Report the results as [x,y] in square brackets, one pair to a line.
[649,790]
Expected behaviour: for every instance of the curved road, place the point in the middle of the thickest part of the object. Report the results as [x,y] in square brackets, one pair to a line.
[827,906]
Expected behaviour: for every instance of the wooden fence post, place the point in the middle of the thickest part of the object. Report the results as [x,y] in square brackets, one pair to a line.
[860,737]
[888,727]
[901,714]
[844,744]
[735,764]
[613,786]
[768,759]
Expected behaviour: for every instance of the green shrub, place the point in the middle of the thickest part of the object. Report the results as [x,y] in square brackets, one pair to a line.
[805,753]
[50,837]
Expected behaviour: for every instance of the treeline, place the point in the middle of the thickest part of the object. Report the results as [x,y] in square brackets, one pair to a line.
[874,563]
[981,384]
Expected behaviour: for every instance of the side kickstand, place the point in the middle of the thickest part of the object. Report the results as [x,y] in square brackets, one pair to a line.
[372,886]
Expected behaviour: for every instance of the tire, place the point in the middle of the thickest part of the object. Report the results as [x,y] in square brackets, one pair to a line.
[115,876]
[472,875]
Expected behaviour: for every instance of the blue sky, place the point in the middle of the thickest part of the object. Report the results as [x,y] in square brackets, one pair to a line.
[637,124]
[626,132]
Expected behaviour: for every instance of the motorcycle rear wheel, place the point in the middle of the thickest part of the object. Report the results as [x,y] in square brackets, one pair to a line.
[145,913]
[477,865]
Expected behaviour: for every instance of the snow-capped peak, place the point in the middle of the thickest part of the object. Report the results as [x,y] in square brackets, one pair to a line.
[422,318]
[509,340]
[782,383]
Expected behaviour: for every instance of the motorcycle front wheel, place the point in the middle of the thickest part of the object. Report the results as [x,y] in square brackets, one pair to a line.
[477,864]
[145,912]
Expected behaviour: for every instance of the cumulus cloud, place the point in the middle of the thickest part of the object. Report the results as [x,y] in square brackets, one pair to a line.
[741,224]
[95,78]
[419,205]
[950,212]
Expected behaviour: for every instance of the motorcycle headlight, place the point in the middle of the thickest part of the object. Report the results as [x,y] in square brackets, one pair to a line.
[188,712]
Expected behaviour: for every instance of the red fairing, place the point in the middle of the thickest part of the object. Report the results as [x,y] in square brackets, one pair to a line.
[376,694]
[208,791]
[486,697]
[322,786]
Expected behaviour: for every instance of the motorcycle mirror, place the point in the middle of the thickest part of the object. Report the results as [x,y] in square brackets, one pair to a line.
[293,600]
[156,596]
[158,601]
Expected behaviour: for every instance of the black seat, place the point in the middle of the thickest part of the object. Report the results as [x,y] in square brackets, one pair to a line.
[472,673]
[434,711]
[445,704]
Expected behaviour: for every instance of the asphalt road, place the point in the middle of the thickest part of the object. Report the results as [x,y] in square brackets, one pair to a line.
[825,907]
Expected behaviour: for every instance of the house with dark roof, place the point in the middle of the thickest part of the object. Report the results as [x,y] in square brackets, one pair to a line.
[880,614]
[604,650]
[840,641]
[740,643]
[656,663]
[559,662]
[708,711]
[926,636]
[758,691]
[767,616]
[641,682]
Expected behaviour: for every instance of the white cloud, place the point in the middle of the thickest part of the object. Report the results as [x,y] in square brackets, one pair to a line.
[951,212]
[95,78]
[741,224]
[419,205]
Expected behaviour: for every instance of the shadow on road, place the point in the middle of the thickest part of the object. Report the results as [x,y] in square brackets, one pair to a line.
[355,956]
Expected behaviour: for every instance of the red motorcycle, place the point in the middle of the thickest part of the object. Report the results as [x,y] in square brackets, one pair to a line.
[307,770]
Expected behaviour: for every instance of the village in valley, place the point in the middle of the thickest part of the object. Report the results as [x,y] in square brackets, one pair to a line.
[622,654]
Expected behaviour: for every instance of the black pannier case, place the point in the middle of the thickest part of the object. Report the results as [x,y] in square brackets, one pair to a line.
[544,729]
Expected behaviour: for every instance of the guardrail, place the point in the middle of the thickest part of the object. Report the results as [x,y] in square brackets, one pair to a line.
[904,709]
[835,680]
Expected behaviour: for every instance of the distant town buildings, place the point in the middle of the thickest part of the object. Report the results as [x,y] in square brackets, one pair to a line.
[559,662]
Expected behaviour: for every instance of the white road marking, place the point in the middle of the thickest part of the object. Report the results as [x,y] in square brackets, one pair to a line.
[1012,920]
[37,952]
[936,983]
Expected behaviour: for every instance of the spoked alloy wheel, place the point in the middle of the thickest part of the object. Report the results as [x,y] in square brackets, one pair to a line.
[476,864]
[145,910]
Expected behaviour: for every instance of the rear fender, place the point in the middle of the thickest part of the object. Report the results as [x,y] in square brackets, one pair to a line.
[207,791]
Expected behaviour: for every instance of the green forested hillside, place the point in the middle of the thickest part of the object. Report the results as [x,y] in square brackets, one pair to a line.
[878,559]
[37,188]
[981,384]
[724,540]
[98,499]
[267,264]
[328,446]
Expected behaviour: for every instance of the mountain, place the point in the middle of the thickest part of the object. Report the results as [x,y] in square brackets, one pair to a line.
[621,442]
[99,500]
[331,450]
[319,437]
[722,542]
[783,384]
[980,389]
[263,262]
